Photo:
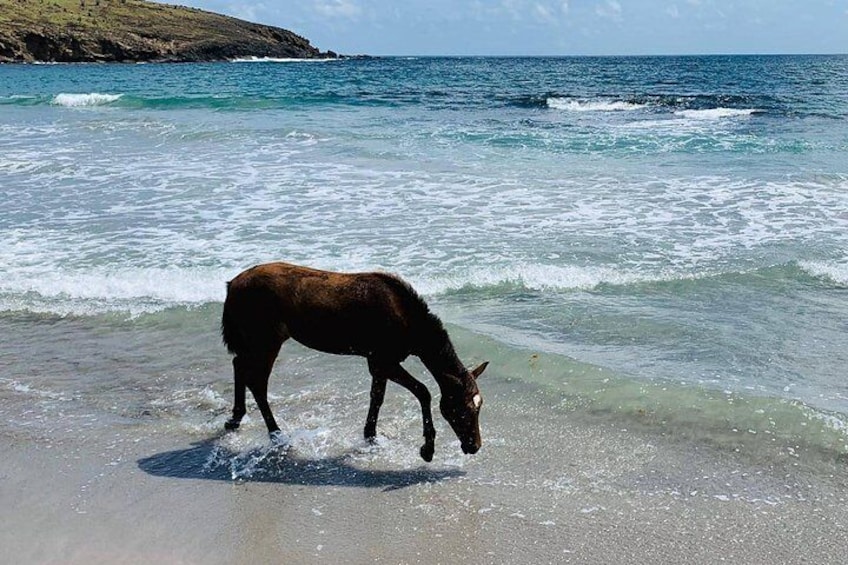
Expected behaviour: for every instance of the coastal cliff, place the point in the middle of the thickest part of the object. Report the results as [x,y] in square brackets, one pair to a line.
[136,31]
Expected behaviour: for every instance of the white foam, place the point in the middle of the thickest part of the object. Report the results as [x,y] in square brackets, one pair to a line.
[79,100]
[539,277]
[716,113]
[206,399]
[832,421]
[24,388]
[255,59]
[573,105]
[136,291]
[48,269]
[836,271]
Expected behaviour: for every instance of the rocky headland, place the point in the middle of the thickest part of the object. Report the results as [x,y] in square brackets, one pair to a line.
[136,31]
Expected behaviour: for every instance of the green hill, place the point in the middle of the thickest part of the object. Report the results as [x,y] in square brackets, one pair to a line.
[135,30]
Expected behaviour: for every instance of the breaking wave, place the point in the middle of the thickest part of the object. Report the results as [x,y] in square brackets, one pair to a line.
[575,105]
[80,100]
[834,271]
[143,291]
[717,113]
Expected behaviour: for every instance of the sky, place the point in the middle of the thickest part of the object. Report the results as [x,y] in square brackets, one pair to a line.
[553,27]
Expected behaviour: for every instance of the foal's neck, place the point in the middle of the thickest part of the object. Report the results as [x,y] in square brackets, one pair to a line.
[438,355]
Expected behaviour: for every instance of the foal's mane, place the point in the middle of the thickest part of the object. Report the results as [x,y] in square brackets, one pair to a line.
[412,301]
[429,329]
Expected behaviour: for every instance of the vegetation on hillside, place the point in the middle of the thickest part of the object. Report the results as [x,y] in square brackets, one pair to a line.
[135,30]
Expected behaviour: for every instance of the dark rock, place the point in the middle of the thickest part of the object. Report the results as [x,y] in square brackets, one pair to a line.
[138,31]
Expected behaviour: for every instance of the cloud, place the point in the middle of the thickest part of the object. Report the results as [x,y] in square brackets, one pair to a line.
[251,12]
[672,11]
[543,13]
[338,8]
[550,12]
[610,9]
[510,7]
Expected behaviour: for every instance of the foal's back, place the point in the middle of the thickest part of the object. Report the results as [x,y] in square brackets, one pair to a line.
[368,314]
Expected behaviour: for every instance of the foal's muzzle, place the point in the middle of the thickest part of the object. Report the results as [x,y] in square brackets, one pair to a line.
[470,448]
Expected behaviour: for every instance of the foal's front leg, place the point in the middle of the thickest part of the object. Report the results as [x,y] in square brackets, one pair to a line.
[378,392]
[394,372]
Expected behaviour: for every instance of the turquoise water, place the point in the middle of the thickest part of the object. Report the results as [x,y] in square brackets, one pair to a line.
[676,223]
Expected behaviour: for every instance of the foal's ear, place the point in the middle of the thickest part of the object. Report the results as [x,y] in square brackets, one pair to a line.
[478,370]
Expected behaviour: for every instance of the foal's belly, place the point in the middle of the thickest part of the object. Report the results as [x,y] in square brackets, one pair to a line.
[346,341]
[328,346]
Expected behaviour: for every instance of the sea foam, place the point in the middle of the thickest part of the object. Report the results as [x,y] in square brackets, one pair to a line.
[716,113]
[134,290]
[573,105]
[831,270]
[538,277]
[71,100]
[255,59]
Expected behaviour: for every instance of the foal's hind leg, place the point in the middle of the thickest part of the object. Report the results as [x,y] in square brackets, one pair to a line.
[252,372]
[259,387]
[239,409]
[393,371]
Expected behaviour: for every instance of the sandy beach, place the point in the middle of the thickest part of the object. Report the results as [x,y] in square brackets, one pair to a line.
[548,488]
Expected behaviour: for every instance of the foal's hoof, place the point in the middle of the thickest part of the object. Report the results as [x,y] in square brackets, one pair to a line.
[231,425]
[427,452]
[278,439]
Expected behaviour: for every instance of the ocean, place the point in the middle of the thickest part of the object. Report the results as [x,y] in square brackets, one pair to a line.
[652,244]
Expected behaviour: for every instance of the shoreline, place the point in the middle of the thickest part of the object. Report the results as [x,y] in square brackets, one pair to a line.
[549,485]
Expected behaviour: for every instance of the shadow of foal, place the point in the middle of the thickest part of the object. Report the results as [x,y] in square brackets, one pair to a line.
[206,460]
[374,315]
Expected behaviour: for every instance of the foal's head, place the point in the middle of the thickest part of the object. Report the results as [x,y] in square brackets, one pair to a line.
[460,405]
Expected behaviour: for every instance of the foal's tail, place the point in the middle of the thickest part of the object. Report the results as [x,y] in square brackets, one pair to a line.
[231,332]
[252,323]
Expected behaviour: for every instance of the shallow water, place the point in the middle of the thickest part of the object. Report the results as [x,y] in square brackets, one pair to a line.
[660,241]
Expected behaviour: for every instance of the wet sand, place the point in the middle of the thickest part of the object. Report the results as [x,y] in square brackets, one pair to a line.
[550,486]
